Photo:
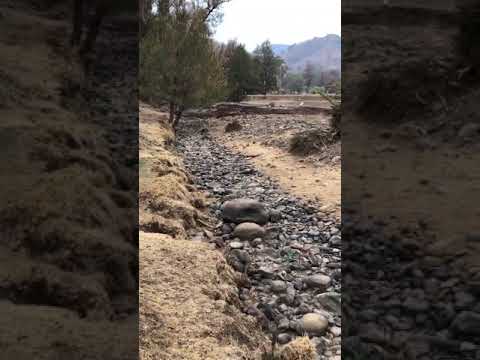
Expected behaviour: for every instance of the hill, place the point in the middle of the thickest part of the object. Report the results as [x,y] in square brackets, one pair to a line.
[323,52]
[280,49]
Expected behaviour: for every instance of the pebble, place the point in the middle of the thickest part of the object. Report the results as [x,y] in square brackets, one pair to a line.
[236,245]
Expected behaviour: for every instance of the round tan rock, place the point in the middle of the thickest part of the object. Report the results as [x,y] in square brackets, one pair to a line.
[248,231]
[314,324]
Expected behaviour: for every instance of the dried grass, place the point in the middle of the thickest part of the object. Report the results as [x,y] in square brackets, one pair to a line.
[299,349]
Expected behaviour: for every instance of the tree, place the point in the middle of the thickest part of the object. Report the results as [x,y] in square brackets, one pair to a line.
[239,71]
[308,75]
[283,75]
[268,67]
[145,14]
[179,62]
[294,83]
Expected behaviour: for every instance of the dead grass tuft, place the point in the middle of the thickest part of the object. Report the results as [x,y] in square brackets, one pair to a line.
[299,349]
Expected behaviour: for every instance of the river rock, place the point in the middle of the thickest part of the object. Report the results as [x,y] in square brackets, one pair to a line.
[244,210]
[236,245]
[284,338]
[275,215]
[248,231]
[331,301]
[314,324]
[467,323]
[318,281]
[279,286]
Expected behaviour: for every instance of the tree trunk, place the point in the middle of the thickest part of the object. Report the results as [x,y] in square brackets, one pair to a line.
[173,109]
[101,10]
[178,115]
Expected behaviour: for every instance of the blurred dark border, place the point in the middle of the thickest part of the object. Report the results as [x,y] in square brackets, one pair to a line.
[410,224]
[69,183]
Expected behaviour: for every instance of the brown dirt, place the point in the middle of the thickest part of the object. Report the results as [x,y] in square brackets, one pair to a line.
[266,140]
[66,224]
[321,184]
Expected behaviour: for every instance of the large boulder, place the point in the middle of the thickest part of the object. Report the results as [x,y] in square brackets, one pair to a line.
[248,231]
[244,210]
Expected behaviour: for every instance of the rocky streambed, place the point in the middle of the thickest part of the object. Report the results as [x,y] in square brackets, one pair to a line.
[288,251]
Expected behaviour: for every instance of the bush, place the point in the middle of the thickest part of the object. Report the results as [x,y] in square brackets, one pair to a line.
[312,141]
[233,126]
[335,120]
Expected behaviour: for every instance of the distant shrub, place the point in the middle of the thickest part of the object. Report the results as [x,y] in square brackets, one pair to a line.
[233,126]
[335,121]
[312,141]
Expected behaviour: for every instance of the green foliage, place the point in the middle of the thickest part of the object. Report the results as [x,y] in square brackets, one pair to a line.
[318,90]
[336,118]
[294,83]
[313,80]
[239,72]
[179,63]
[309,75]
[268,67]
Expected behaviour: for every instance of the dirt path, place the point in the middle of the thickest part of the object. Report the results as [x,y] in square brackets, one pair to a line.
[265,139]
[320,184]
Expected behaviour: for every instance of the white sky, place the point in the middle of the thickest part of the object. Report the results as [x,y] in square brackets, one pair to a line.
[281,21]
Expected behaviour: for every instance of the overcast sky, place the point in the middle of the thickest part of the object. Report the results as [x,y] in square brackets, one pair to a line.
[281,21]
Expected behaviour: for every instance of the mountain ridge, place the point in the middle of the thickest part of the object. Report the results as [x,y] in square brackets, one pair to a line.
[323,52]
